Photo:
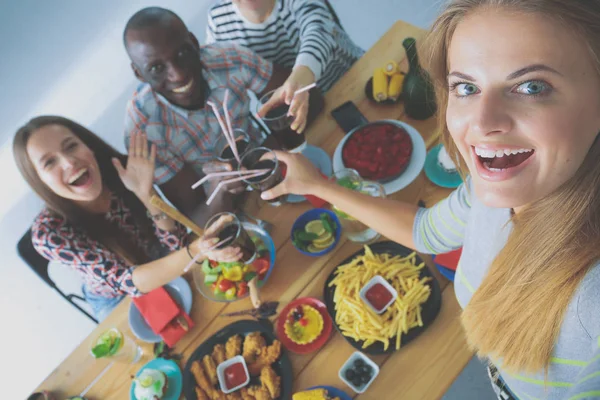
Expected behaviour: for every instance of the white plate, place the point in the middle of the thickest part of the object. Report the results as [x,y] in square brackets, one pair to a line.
[321,160]
[181,293]
[415,165]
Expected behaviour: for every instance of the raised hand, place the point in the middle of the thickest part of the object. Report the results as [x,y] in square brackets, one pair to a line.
[138,175]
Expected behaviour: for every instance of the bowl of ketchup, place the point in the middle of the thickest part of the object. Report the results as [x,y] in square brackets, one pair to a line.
[233,374]
[378,294]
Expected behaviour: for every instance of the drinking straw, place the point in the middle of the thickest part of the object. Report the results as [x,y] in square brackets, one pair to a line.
[222,183]
[304,89]
[223,127]
[228,120]
[104,371]
[212,175]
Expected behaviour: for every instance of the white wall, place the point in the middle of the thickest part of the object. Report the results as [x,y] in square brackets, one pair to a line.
[66,57]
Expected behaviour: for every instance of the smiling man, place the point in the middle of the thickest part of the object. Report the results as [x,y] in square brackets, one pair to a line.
[170,106]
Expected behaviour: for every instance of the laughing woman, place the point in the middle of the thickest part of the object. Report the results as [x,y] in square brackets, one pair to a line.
[520,81]
[98,218]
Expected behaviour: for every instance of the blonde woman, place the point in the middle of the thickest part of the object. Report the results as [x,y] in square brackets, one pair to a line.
[520,81]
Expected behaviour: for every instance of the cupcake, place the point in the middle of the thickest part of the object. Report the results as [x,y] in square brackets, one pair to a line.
[151,384]
[445,161]
[304,324]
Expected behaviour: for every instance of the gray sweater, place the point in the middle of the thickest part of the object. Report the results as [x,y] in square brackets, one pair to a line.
[462,220]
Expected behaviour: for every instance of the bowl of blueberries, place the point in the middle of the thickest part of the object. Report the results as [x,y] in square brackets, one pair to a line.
[358,372]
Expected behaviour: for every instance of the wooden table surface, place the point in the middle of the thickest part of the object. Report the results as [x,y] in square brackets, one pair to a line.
[424,369]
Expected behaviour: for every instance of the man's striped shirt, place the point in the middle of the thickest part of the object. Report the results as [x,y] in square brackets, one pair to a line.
[297,32]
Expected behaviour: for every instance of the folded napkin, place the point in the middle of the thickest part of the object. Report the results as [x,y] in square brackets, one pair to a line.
[163,315]
[449,260]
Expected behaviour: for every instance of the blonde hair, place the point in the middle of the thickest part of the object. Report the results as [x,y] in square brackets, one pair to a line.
[516,314]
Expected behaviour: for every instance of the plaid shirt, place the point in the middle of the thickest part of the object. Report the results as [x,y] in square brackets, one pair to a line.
[104,272]
[184,136]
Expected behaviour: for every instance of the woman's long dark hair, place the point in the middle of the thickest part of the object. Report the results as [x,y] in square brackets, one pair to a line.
[93,225]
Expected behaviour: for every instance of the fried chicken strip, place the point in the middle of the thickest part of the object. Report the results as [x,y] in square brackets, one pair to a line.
[253,345]
[245,395]
[202,381]
[200,395]
[218,354]
[233,347]
[271,381]
[259,393]
[211,369]
[268,355]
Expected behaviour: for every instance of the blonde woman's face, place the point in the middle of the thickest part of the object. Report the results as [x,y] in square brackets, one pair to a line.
[524,104]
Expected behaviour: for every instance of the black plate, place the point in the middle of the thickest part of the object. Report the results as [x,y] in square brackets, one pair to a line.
[283,367]
[383,181]
[429,312]
[369,94]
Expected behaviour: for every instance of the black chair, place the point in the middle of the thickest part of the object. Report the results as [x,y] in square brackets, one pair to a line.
[39,265]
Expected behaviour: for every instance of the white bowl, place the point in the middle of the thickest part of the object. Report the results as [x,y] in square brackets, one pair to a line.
[375,280]
[350,363]
[221,373]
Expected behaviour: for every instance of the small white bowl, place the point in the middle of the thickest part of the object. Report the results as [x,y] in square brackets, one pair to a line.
[375,280]
[350,363]
[221,373]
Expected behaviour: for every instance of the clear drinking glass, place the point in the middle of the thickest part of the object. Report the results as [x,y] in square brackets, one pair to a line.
[279,123]
[224,153]
[113,344]
[355,230]
[233,229]
[254,159]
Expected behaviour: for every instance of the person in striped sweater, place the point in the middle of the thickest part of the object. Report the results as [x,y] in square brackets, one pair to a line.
[304,35]
[519,84]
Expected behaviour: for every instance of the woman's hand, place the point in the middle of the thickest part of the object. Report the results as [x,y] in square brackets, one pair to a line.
[138,176]
[207,243]
[300,77]
[301,177]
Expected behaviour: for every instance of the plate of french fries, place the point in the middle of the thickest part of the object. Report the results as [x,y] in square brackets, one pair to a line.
[418,303]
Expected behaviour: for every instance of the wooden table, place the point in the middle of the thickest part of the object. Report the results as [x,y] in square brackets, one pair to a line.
[424,369]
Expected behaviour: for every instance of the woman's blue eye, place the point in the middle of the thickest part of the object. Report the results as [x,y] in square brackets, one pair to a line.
[465,89]
[532,88]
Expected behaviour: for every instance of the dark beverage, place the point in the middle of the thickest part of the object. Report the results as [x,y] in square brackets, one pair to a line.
[271,178]
[228,156]
[234,235]
[279,123]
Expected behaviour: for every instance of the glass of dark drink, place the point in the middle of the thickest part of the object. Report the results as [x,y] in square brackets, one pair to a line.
[223,150]
[255,159]
[231,232]
[279,123]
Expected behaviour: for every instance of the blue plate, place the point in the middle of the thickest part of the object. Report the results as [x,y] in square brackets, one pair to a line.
[439,175]
[321,160]
[333,392]
[181,293]
[174,378]
[446,272]
[312,215]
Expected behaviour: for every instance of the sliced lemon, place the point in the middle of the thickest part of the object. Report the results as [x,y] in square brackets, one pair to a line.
[314,249]
[315,227]
[322,239]
[323,245]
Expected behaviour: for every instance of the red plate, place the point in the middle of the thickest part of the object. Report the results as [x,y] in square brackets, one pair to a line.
[320,341]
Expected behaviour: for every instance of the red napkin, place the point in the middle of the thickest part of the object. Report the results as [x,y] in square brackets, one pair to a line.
[161,312]
[449,260]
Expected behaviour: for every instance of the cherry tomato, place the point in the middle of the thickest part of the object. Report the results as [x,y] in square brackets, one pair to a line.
[261,265]
[213,263]
[242,289]
[225,285]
